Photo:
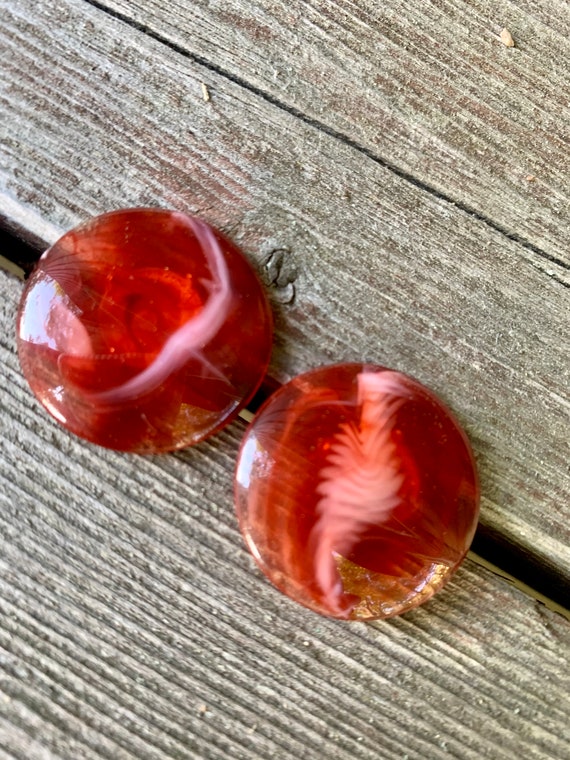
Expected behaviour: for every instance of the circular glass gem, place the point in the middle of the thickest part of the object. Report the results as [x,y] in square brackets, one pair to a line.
[144,330]
[356,491]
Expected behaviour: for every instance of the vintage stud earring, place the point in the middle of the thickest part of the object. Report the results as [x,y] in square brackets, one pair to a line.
[356,491]
[144,330]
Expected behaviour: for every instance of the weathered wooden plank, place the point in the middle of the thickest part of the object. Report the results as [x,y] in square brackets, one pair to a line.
[133,624]
[426,87]
[96,115]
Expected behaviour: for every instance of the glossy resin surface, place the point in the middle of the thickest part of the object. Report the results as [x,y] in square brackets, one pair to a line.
[356,491]
[144,330]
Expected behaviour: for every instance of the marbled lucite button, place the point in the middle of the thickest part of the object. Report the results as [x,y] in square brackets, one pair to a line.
[356,491]
[144,330]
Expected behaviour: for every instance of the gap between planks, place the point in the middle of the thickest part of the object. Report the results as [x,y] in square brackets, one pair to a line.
[334,133]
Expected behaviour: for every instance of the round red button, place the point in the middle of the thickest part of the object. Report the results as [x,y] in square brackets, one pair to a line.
[356,491]
[144,330]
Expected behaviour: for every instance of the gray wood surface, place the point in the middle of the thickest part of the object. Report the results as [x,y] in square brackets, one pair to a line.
[400,180]
[423,86]
[133,624]
[362,263]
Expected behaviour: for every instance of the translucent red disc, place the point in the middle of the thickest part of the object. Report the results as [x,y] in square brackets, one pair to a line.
[356,491]
[144,330]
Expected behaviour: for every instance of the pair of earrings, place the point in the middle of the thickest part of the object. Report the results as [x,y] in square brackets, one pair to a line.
[145,330]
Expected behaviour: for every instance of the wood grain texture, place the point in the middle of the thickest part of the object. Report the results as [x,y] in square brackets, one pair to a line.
[426,87]
[360,263]
[134,625]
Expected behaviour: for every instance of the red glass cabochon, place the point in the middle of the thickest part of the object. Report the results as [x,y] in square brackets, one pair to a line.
[356,491]
[144,330]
